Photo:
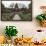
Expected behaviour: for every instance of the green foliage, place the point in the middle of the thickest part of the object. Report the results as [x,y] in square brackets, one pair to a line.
[30,5]
[25,16]
[16,6]
[41,17]
[11,31]
[2,6]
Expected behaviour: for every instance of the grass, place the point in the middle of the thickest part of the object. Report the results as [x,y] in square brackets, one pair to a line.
[8,15]
[25,16]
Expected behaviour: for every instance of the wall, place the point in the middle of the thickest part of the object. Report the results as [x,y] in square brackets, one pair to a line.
[26,28]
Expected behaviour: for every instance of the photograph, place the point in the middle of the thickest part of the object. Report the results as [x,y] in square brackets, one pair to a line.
[16,11]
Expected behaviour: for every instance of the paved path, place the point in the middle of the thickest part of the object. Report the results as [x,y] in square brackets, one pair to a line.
[16,17]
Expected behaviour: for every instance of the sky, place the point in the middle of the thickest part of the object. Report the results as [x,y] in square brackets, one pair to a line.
[7,3]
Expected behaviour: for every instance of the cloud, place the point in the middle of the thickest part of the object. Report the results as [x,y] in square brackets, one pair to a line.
[7,3]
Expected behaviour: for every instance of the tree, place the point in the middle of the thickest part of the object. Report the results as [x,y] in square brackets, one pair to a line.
[23,7]
[2,6]
[12,5]
[30,5]
[16,5]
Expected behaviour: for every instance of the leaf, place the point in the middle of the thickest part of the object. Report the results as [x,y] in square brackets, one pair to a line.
[45,17]
[11,32]
[40,18]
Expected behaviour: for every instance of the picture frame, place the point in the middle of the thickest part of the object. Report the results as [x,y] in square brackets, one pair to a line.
[16,10]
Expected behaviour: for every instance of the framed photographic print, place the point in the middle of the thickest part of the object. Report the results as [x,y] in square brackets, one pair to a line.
[16,10]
